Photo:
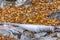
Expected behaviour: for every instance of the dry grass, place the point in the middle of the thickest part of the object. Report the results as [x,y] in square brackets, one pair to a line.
[6,38]
[35,14]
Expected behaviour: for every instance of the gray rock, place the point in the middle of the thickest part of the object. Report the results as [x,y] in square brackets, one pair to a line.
[26,36]
[4,32]
[48,38]
[35,39]
[38,35]
[23,37]
[58,27]
[52,34]
[55,15]
[1,3]
[58,39]
[20,2]
[58,34]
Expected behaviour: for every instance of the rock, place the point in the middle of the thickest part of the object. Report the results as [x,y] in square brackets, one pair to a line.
[52,34]
[37,28]
[58,34]
[48,38]
[55,15]
[26,36]
[4,32]
[57,26]
[20,2]
[58,39]
[23,37]
[1,3]
[38,35]
[35,38]
[4,3]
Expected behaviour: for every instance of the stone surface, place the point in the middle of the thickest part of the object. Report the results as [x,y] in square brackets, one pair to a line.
[27,36]
[55,15]
[38,35]
[4,32]
[52,34]
[48,38]
[58,34]
[58,39]
[20,2]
